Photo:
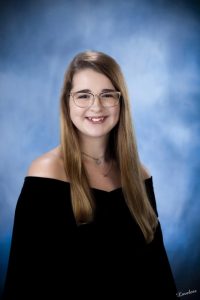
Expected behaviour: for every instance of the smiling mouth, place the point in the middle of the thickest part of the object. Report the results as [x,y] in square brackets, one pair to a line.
[96,120]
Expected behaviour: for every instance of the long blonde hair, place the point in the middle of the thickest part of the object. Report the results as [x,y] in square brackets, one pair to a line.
[122,141]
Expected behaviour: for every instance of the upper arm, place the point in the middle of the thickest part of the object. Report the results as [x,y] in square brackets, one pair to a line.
[47,166]
[41,166]
[145,172]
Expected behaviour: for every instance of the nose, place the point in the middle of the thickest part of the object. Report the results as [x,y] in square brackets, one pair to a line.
[97,102]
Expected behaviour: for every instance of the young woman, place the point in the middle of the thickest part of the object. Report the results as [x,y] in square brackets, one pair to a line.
[86,222]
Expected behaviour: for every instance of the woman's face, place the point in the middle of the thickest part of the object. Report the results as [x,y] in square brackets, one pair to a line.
[95,120]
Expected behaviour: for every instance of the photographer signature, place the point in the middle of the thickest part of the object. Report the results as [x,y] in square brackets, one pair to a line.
[189,292]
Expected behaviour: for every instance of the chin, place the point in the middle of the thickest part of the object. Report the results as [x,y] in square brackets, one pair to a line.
[95,134]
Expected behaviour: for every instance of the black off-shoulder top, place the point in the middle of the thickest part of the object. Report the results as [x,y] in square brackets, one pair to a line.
[52,257]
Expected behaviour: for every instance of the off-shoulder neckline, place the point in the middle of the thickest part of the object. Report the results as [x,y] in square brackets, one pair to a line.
[68,183]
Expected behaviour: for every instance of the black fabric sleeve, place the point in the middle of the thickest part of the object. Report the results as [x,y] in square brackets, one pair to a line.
[150,192]
[159,262]
[43,233]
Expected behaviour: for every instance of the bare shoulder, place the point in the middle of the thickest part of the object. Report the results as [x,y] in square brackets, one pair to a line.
[145,172]
[49,165]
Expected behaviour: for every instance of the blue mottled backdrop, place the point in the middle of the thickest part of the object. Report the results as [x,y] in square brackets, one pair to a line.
[157,44]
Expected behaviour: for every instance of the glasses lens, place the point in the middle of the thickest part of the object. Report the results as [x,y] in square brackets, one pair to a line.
[83,99]
[107,99]
[110,98]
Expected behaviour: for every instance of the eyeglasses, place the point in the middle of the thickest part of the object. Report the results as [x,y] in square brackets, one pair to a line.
[86,99]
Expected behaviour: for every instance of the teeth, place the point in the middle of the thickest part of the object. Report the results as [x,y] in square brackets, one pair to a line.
[96,119]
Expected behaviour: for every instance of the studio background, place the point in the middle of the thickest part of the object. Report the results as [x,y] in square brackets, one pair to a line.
[157,44]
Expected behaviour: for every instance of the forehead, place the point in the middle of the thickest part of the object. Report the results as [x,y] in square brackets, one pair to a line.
[92,80]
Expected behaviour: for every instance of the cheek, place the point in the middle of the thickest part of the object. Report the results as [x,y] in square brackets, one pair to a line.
[75,112]
[116,113]
[72,112]
[72,109]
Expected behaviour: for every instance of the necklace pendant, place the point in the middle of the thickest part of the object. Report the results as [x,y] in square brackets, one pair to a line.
[98,161]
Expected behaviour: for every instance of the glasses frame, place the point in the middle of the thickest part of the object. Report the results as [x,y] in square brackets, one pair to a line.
[95,95]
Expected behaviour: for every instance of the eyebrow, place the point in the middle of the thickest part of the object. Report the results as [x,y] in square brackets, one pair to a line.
[89,91]
[108,90]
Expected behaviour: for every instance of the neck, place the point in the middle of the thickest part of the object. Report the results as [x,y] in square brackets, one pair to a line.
[95,147]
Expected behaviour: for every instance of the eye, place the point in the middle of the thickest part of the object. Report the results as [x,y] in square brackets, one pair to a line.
[83,96]
[107,95]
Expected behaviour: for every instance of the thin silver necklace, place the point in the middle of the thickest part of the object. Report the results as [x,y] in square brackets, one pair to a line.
[98,161]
